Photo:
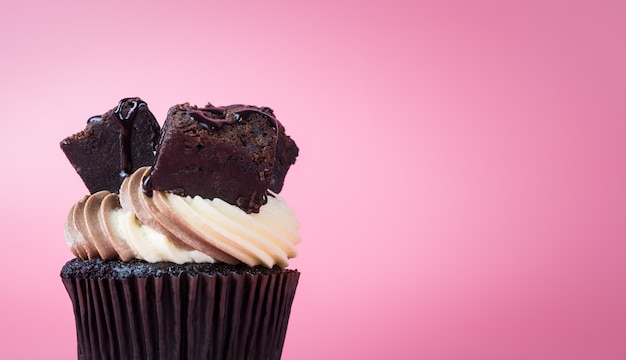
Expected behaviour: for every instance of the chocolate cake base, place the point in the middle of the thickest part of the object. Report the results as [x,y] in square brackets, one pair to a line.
[139,310]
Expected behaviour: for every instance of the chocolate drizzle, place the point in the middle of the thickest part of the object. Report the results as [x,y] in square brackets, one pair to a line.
[213,117]
[125,116]
[146,186]
[94,119]
[207,121]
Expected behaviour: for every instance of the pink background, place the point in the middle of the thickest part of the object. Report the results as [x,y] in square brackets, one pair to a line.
[462,175]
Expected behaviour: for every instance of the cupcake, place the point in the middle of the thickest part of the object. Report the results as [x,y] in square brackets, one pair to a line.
[182,246]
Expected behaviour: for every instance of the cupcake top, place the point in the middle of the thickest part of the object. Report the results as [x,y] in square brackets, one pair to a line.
[207,191]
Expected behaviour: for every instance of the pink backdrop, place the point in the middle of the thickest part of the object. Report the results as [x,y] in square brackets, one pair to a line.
[461,183]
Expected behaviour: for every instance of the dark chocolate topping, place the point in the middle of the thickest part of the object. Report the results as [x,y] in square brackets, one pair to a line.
[146,186]
[208,122]
[94,119]
[125,116]
[216,116]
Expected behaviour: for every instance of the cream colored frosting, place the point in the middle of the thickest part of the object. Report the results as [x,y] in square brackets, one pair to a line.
[168,227]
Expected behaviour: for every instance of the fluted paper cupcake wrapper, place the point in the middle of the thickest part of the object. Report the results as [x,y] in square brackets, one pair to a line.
[232,316]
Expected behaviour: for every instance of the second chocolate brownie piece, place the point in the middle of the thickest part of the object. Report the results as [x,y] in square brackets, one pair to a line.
[219,152]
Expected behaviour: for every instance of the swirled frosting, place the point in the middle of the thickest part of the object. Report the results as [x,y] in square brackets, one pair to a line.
[168,227]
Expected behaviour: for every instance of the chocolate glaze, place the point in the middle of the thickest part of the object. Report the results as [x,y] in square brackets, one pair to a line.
[212,117]
[200,116]
[94,119]
[125,116]
[147,186]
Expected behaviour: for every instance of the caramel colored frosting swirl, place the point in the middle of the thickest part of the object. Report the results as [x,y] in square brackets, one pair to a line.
[168,227]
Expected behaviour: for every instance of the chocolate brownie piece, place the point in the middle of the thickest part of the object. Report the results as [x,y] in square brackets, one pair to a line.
[113,145]
[235,153]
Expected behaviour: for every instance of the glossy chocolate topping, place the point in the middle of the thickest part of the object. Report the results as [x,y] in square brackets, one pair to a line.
[216,116]
[125,114]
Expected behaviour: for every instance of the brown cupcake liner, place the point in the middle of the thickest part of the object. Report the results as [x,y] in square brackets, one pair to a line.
[232,316]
